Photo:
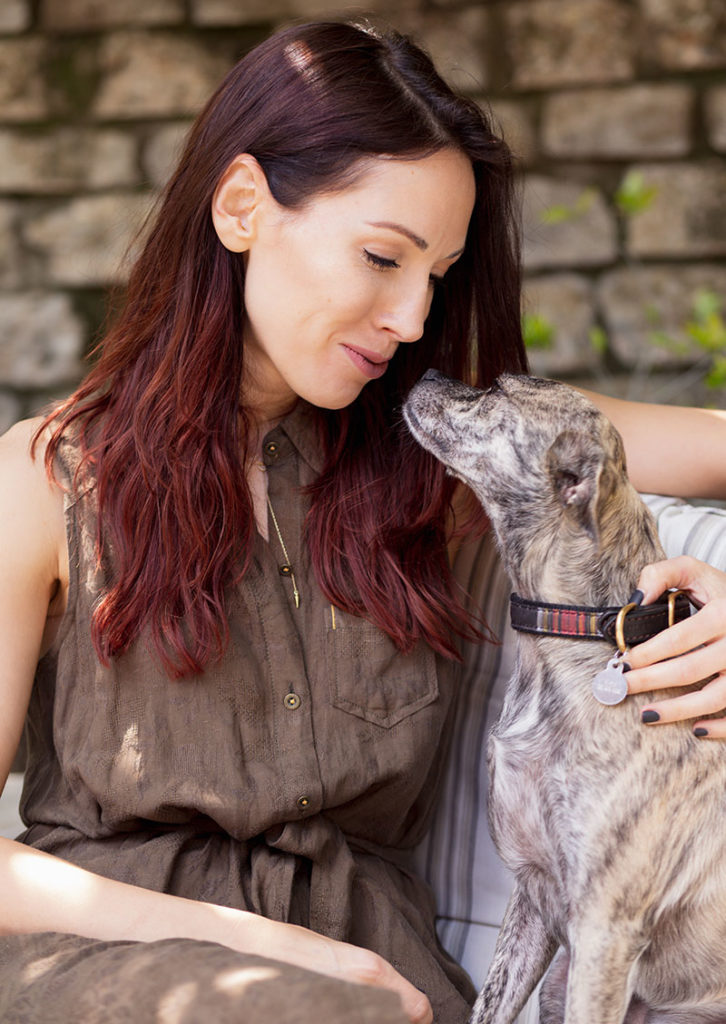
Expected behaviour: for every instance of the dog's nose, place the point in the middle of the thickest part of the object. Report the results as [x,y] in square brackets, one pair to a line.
[432,375]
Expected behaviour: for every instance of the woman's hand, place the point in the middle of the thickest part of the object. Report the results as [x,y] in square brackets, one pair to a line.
[695,646]
[351,963]
[45,893]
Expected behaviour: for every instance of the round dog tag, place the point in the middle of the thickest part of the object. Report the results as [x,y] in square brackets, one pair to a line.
[610,685]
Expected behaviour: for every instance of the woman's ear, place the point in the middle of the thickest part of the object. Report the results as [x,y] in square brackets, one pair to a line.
[236,203]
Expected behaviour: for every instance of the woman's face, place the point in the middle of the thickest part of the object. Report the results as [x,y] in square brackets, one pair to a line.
[332,290]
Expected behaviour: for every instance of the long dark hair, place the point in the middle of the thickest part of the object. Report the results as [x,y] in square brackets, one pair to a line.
[158,415]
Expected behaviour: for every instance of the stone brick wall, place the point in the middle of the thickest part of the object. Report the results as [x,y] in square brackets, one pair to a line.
[95,96]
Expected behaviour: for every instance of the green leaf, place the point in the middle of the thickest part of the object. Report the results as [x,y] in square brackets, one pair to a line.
[537,331]
[633,196]
[585,200]
[707,328]
[663,340]
[557,214]
[710,336]
[705,303]
[598,339]
[560,212]
[716,377]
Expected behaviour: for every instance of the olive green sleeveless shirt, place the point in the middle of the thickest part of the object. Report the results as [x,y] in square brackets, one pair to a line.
[292,779]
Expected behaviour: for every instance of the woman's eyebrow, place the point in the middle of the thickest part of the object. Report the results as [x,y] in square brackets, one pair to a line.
[419,242]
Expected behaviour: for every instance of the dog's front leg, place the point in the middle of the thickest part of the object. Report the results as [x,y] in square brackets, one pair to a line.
[523,951]
[600,978]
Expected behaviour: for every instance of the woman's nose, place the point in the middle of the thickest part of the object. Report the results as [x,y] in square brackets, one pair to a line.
[404,312]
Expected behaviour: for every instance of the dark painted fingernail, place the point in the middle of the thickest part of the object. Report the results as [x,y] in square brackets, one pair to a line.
[636,597]
[700,731]
[649,716]
[625,666]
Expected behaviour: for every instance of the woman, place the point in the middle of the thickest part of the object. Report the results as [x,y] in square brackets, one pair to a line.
[237,576]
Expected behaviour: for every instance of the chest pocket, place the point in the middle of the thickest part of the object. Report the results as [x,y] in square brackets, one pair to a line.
[370,678]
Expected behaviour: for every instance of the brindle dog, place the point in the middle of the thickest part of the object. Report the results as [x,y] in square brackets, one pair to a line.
[615,831]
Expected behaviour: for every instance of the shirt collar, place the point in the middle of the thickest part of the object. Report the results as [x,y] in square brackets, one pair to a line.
[300,428]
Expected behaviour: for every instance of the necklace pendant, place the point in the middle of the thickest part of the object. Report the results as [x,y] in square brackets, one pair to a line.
[286,569]
[610,686]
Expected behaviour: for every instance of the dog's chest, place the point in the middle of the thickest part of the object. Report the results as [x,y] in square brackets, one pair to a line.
[549,779]
[583,808]
[528,806]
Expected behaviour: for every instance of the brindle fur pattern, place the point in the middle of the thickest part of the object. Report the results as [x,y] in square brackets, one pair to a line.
[614,830]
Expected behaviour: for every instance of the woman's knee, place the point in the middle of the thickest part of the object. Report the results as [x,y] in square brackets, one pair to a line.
[57,978]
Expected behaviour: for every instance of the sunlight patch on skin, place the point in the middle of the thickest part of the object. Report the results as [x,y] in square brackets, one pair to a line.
[236,981]
[174,1004]
[26,869]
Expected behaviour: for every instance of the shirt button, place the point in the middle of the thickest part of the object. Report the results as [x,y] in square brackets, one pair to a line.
[291,701]
[271,450]
[303,802]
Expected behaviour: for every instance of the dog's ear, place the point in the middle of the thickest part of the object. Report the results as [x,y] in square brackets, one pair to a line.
[574,462]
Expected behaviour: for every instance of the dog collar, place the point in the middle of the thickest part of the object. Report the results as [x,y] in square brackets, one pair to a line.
[637,623]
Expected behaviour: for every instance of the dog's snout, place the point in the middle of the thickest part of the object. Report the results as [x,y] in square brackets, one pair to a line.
[432,375]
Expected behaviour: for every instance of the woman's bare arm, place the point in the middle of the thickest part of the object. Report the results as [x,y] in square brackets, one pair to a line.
[45,893]
[31,514]
[671,449]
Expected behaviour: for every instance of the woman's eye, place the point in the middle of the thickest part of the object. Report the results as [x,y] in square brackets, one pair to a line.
[379,262]
[384,263]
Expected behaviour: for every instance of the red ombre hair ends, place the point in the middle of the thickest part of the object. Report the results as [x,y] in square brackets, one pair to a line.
[158,416]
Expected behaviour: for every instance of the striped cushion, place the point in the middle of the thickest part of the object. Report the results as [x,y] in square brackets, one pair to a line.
[690,529]
[458,857]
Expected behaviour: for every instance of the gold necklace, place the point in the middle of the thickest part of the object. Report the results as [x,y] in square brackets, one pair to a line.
[286,569]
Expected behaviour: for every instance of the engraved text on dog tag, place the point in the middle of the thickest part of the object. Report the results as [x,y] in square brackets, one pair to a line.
[610,685]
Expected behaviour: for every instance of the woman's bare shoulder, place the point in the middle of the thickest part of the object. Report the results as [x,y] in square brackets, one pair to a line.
[31,505]
[18,439]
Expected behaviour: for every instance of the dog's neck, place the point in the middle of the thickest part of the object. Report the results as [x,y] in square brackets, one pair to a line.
[625,625]
[565,566]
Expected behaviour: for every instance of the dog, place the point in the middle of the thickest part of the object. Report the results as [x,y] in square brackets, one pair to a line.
[615,831]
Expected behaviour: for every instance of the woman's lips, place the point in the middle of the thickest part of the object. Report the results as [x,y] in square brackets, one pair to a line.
[369,363]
